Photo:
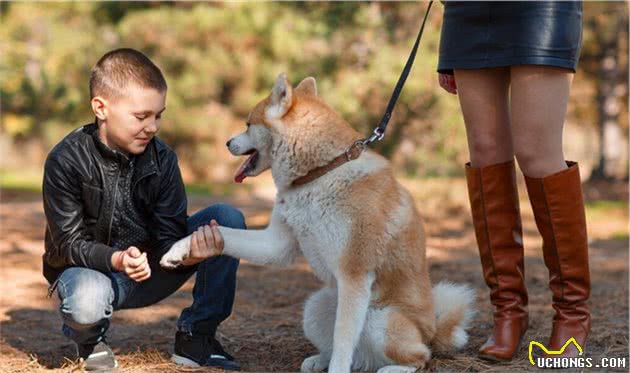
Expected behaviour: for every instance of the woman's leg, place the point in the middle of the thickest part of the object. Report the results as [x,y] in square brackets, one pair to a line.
[539,96]
[539,100]
[483,97]
[494,203]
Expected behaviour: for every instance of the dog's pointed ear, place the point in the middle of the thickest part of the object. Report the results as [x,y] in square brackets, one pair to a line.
[281,97]
[308,86]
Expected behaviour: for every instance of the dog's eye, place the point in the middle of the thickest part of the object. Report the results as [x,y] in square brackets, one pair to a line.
[248,124]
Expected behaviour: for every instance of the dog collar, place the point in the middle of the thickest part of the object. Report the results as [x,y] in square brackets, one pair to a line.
[352,153]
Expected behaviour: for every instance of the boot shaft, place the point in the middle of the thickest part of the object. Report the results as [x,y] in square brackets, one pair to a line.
[496,217]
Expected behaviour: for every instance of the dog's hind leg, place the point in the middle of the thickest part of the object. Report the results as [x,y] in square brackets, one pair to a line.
[405,346]
[319,327]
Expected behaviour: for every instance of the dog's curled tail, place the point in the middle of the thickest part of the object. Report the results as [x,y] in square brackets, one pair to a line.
[454,310]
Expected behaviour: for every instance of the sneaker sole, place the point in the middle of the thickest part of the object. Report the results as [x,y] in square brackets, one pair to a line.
[103,370]
[180,360]
[184,361]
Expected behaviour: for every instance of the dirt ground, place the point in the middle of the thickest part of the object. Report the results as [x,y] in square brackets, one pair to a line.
[264,331]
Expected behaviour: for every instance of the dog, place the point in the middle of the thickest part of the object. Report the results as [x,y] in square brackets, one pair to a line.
[359,230]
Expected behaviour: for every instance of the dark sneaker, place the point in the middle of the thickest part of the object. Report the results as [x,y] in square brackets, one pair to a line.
[199,350]
[98,357]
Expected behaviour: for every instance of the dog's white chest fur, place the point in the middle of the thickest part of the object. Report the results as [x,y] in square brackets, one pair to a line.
[318,217]
[320,229]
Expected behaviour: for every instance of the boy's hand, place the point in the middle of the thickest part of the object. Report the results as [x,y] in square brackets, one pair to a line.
[133,263]
[204,243]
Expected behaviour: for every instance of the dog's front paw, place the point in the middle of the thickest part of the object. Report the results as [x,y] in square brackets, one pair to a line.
[176,254]
[313,364]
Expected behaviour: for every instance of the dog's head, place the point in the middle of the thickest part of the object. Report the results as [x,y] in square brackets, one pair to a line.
[293,129]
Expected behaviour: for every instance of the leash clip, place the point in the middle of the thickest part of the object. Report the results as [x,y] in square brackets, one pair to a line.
[377,135]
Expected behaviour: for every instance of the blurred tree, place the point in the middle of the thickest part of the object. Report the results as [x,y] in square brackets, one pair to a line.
[221,58]
[605,59]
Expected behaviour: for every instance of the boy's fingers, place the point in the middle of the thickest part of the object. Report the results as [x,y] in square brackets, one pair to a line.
[193,245]
[218,239]
[136,262]
[133,251]
[140,268]
[141,276]
[201,241]
[209,237]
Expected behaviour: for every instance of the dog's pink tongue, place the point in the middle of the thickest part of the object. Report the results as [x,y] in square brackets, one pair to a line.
[242,169]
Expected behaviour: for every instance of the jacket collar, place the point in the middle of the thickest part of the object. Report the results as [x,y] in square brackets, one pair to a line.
[145,163]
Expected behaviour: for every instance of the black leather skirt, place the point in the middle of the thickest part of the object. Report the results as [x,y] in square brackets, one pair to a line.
[478,35]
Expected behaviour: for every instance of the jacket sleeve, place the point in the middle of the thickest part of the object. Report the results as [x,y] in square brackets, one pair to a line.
[170,210]
[63,207]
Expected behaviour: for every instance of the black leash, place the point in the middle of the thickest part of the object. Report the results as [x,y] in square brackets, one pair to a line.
[379,131]
[355,150]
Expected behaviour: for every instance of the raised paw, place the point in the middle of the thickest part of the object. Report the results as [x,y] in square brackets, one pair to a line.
[176,254]
[314,363]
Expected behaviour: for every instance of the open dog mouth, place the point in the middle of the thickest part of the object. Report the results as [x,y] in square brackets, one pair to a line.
[248,165]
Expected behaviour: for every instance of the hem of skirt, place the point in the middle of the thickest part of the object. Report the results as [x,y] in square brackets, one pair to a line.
[446,66]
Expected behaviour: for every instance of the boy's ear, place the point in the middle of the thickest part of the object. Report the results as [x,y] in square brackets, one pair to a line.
[98,107]
[308,86]
[281,98]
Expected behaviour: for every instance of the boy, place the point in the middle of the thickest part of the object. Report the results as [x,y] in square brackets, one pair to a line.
[115,203]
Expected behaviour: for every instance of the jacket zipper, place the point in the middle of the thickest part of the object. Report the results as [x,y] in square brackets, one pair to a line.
[111,219]
[133,187]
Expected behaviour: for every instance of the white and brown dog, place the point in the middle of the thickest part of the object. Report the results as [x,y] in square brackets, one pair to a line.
[359,230]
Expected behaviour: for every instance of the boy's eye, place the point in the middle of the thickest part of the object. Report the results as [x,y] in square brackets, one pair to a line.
[158,116]
[139,117]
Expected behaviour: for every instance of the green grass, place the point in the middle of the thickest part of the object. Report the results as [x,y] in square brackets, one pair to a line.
[604,206]
[216,189]
[621,236]
[31,181]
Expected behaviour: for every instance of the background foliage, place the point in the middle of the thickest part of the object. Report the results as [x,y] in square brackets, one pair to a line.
[221,58]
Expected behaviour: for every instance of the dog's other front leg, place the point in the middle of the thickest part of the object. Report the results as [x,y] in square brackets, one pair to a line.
[353,298]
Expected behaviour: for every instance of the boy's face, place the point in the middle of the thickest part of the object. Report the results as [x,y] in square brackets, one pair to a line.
[129,121]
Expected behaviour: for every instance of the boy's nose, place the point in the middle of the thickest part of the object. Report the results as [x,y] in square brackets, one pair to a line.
[152,128]
[228,143]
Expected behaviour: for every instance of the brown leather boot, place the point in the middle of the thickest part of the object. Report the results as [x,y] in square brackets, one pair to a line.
[559,211]
[497,221]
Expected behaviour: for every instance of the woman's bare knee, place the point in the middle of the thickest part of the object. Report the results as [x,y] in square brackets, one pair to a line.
[540,164]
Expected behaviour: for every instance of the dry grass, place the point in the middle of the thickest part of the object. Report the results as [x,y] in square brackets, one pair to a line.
[264,331]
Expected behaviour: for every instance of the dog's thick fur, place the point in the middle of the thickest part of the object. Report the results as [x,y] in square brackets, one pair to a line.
[360,232]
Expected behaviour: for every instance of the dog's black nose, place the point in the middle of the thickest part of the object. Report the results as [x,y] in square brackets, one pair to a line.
[228,143]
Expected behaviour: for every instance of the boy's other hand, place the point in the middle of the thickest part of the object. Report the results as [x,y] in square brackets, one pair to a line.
[133,262]
[205,242]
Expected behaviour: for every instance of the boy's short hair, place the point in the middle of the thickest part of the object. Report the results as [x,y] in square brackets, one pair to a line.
[117,68]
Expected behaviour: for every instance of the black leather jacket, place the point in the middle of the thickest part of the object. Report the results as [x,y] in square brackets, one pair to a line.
[80,182]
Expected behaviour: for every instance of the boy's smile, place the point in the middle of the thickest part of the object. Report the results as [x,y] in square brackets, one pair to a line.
[128,122]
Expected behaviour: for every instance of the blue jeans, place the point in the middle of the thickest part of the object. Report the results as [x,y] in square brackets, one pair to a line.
[89,297]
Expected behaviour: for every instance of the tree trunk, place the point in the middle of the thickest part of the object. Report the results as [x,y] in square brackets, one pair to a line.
[612,150]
